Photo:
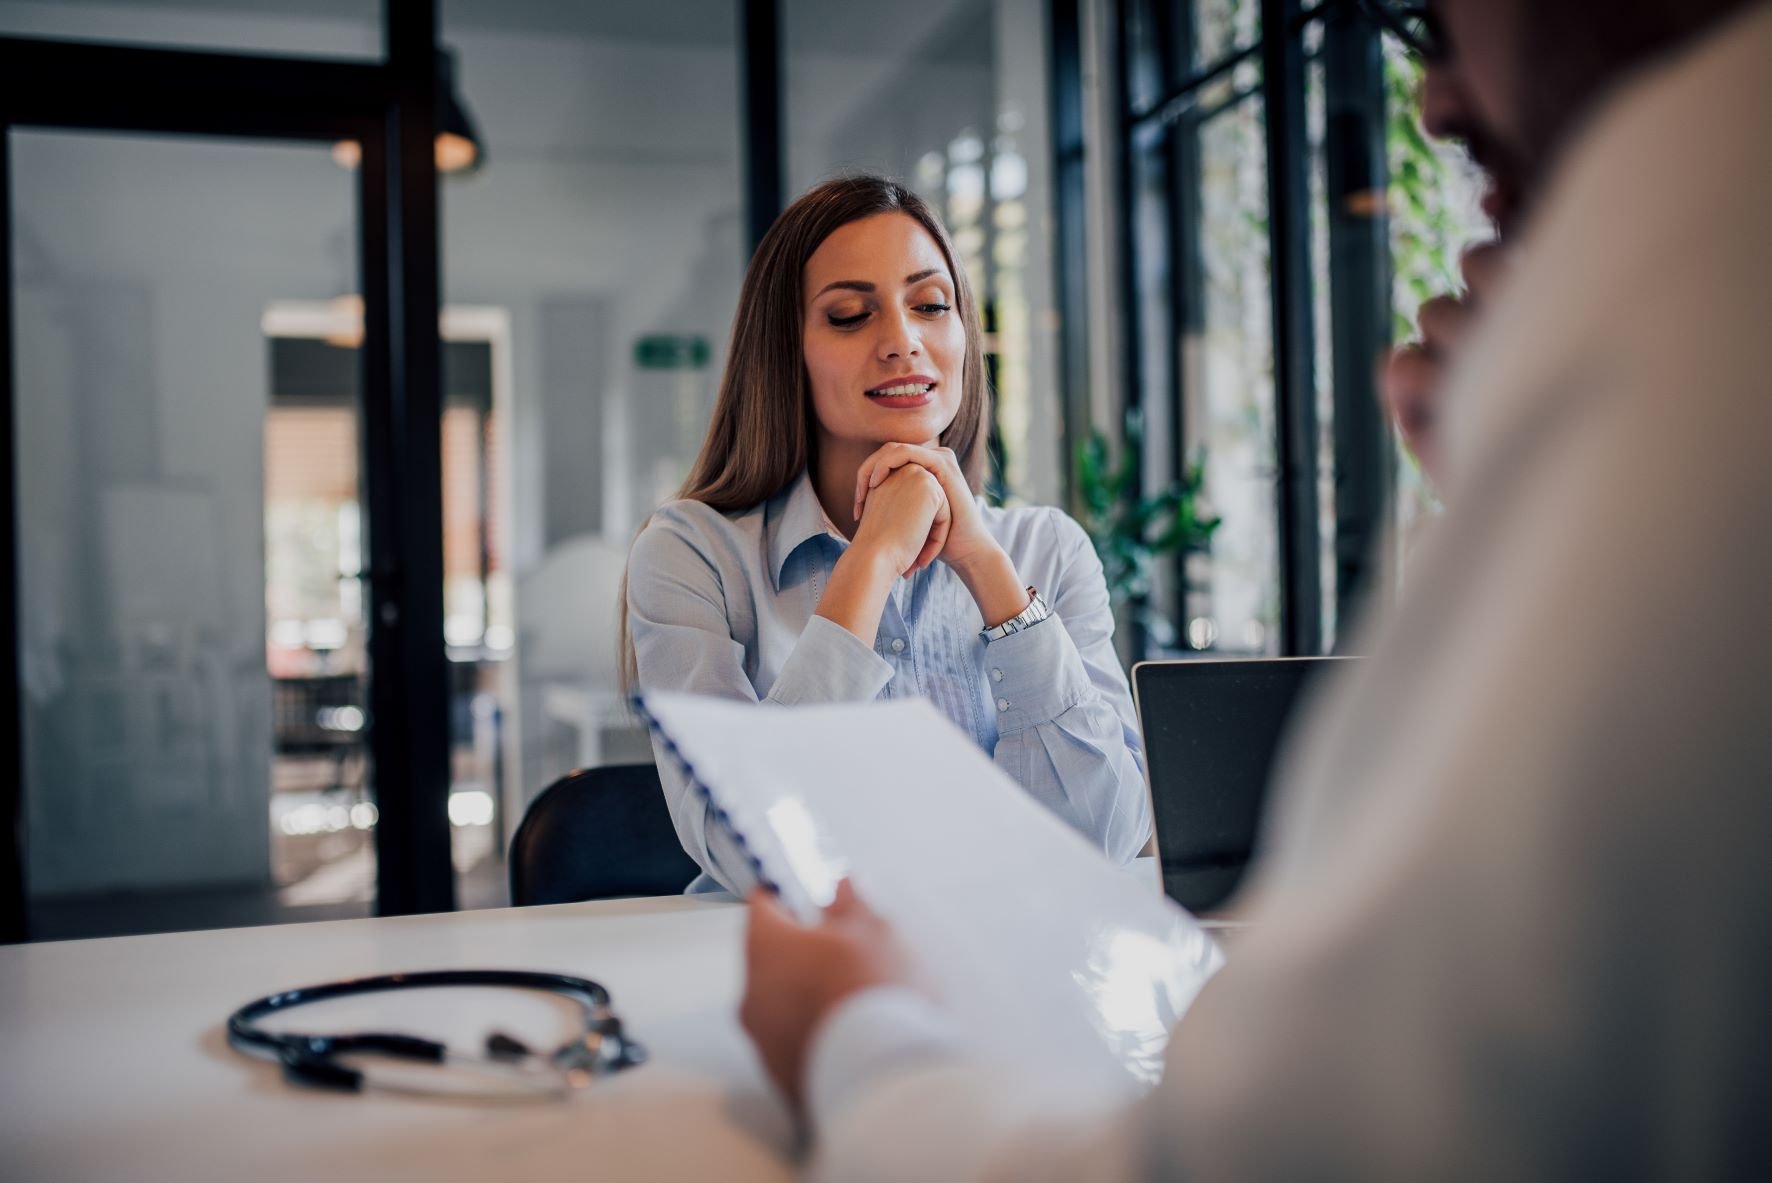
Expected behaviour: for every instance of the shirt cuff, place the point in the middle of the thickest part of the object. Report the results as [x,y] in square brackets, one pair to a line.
[830,664]
[1035,675]
[869,1036]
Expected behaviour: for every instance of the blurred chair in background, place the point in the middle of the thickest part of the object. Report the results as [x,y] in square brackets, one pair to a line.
[598,834]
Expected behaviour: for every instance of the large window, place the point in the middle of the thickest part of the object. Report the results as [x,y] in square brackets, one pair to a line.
[1259,233]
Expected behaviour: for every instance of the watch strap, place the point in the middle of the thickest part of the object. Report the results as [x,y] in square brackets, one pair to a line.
[1033,614]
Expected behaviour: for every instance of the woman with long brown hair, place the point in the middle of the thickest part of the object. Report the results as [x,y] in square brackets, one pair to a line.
[829,544]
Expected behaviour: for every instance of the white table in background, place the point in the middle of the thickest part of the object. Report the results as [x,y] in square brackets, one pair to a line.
[114,1063]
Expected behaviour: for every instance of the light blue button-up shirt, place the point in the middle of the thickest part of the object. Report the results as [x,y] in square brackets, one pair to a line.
[723,604]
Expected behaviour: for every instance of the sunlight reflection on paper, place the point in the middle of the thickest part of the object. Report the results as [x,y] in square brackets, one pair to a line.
[1138,990]
[817,868]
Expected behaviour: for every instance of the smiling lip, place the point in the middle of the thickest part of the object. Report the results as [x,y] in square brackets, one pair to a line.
[911,390]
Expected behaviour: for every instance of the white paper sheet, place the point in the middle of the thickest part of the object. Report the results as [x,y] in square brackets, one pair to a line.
[1046,952]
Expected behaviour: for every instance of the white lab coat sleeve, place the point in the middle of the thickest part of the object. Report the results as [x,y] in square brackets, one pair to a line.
[895,1094]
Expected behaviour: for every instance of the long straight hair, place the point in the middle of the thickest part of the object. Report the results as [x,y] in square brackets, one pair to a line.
[763,434]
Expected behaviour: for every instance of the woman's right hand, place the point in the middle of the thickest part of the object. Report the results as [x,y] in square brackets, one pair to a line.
[903,527]
[905,521]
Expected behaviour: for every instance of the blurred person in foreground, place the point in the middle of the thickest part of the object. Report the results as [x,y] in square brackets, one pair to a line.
[1413,378]
[1512,919]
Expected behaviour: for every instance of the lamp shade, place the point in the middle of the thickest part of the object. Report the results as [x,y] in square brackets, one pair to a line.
[459,149]
[458,146]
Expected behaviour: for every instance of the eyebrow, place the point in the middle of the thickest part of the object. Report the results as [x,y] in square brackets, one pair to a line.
[862,285]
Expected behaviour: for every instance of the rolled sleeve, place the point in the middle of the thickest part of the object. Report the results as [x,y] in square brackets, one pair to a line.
[830,664]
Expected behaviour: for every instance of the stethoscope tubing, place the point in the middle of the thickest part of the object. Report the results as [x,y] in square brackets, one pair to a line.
[308,1057]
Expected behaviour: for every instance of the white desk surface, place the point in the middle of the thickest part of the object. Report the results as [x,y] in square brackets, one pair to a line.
[114,1062]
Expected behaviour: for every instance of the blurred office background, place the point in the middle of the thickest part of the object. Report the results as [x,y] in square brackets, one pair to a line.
[1194,225]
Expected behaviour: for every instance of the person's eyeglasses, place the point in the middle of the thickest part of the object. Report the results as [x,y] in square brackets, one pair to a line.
[1415,25]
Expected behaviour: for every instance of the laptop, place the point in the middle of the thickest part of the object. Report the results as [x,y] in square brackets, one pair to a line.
[1211,732]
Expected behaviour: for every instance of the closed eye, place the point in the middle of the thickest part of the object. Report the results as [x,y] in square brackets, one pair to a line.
[932,309]
[846,322]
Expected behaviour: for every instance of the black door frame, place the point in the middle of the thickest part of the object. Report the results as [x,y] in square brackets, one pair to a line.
[389,107]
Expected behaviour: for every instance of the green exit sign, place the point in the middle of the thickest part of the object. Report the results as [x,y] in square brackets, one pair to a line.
[670,351]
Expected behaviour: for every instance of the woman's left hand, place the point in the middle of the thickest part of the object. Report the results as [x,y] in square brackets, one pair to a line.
[968,542]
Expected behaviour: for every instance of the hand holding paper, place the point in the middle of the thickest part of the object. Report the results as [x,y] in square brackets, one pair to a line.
[1045,953]
[796,975]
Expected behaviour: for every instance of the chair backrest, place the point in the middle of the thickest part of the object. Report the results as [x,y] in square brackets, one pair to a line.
[598,834]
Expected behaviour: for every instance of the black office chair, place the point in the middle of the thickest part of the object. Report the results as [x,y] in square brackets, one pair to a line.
[598,834]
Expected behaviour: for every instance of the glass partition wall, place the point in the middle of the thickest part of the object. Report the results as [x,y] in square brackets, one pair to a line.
[207,466]
[192,622]
[228,703]
[600,248]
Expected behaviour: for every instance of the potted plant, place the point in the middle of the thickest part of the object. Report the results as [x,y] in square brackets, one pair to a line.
[1132,529]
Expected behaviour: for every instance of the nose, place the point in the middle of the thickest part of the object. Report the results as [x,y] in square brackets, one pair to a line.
[898,338]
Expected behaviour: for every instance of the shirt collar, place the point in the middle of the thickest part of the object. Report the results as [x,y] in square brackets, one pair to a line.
[793,518]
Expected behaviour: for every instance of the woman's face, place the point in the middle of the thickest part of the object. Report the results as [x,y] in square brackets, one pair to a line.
[883,341]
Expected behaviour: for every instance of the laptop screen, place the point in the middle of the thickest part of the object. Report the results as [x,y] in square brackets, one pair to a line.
[1211,731]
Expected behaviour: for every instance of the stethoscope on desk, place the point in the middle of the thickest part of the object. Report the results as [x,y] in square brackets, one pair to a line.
[508,1070]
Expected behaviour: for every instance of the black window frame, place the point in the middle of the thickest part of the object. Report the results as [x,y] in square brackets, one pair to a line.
[1350,55]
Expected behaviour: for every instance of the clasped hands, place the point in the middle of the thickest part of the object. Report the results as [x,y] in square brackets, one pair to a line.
[913,505]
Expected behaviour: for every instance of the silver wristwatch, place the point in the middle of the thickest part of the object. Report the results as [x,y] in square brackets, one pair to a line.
[1028,617]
